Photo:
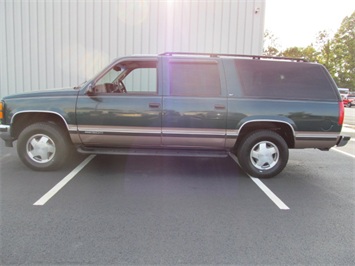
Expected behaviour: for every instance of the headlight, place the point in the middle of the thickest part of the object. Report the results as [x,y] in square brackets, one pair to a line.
[1,110]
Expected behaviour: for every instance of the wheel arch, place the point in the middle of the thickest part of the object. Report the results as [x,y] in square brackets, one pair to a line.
[21,120]
[283,128]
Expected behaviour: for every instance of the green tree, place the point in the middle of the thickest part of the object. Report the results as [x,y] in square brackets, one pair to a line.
[343,46]
[293,52]
[309,53]
[271,47]
[326,55]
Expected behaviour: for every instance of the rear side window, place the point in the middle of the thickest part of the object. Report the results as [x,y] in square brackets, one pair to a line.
[194,79]
[285,80]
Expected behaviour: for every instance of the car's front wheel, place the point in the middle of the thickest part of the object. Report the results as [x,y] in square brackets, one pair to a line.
[43,146]
[263,154]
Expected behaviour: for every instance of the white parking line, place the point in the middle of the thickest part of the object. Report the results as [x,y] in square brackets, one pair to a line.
[63,182]
[343,152]
[270,194]
[279,203]
[5,156]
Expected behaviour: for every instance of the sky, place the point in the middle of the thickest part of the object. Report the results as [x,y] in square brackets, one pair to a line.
[297,22]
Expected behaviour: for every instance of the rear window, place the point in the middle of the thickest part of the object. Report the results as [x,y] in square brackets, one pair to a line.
[285,80]
[194,79]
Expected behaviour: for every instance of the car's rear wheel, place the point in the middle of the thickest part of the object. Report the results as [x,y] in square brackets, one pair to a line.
[43,146]
[263,154]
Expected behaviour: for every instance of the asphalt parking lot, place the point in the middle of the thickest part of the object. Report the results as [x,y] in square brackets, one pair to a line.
[114,210]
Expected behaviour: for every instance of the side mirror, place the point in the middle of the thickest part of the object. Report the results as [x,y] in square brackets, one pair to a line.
[117,68]
[90,90]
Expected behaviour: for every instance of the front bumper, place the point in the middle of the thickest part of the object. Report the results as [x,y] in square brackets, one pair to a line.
[5,134]
[342,140]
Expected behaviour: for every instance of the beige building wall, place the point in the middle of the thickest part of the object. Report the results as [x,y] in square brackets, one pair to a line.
[52,43]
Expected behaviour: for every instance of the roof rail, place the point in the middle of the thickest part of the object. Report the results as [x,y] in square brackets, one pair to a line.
[256,57]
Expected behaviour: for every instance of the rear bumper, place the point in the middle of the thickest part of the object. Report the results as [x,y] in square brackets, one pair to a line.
[342,140]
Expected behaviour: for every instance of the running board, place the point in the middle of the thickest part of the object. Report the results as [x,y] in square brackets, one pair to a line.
[154,152]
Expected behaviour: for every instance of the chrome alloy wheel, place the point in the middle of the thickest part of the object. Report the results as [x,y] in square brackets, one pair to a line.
[40,148]
[264,155]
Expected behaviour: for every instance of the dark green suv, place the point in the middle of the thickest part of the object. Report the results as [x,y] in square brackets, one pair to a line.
[182,104]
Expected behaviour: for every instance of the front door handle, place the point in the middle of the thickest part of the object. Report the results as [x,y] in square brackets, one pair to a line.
[219,107]
[154,105]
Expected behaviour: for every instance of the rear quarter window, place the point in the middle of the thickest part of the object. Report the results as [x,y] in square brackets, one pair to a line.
[284,80]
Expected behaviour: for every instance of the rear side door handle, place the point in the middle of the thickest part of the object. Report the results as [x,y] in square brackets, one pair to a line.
[219,107]
[154,105]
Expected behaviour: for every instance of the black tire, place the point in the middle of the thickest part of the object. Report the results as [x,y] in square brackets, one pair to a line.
[349,105]
[263,154]
[43,146]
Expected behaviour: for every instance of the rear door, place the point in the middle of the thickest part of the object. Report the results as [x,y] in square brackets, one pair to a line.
[194,103]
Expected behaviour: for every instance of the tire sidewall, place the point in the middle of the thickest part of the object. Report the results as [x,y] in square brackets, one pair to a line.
[247,145]
[52,131]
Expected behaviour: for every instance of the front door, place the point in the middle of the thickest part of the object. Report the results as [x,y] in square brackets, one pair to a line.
[123,110]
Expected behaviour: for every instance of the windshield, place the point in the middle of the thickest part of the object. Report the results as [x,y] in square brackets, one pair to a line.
[110,76]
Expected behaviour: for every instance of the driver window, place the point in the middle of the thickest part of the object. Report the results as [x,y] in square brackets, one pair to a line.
[141,80]
[108,82]
[129,78]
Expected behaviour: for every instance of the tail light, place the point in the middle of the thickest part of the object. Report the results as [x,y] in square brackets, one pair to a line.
[341,113]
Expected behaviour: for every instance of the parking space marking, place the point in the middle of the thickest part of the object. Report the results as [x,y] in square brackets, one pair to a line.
[63,182]
[279,203]
[343,152]
[270,194]
[5,156]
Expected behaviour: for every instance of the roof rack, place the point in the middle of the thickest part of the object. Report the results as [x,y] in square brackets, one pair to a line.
[256,57]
